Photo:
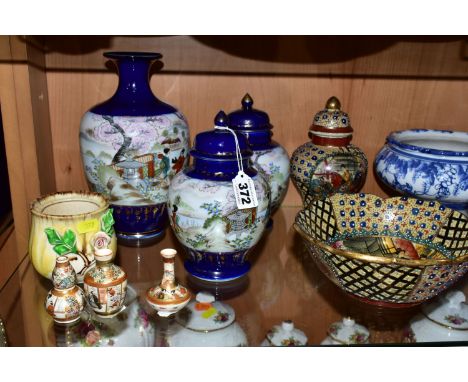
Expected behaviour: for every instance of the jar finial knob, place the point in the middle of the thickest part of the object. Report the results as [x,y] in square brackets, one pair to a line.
[221,119]
[333,103]
[247,102]
[287,325]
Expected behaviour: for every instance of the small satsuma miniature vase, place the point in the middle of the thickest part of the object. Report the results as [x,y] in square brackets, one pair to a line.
[105,285]
[66,300]
[269,157]
[203,211]
[329,163]
[168,297]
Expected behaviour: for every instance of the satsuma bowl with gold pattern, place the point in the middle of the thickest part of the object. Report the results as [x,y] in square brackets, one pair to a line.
[395,252]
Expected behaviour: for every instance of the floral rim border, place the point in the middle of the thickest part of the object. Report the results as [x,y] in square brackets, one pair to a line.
[443,325]
[366,341]
[203,330]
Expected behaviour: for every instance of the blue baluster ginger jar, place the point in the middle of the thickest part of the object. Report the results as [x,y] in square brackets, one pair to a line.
[203,212]
[132,145]
[269,157]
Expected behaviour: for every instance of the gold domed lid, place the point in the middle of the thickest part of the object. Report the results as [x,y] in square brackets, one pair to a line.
[331,126]
[332,117]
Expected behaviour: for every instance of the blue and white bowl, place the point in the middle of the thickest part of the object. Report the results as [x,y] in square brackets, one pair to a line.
[429,164]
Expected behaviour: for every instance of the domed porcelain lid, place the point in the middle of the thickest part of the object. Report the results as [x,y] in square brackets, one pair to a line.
[249,118]
[348,332]
[286,335]
[219,144]
[205,314]
[331,126]
[450,310]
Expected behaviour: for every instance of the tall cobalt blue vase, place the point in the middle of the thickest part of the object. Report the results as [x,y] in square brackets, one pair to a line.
[203,213]
[132,145]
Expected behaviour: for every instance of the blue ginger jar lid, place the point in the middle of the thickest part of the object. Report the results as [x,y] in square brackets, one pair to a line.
[254,124]
[214,153]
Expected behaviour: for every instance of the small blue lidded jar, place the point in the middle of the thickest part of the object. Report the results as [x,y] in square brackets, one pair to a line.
[202,207]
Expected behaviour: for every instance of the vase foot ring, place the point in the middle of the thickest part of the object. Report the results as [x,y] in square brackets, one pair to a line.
[138,239]
[216,276]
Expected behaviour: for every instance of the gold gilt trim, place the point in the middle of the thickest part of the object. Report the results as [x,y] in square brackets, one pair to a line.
[378,259]
[443,325]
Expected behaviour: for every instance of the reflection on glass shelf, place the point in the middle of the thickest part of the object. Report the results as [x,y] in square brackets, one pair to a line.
[284,284]
[131,327]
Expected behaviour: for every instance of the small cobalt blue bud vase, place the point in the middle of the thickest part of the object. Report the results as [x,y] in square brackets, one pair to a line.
[269,157]
[202,207]
[132,145]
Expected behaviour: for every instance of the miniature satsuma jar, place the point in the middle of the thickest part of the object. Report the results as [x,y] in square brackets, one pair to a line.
[285,335]
[131,147]
[346,332]
[168,297]
[206,322]
[269,157]
[105,285]
[66,300]
[445,319]
[328,163]
[203,211]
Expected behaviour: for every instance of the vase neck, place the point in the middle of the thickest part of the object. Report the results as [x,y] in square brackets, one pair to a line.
[223,170]
[134,78]
[134,96]
[168,281]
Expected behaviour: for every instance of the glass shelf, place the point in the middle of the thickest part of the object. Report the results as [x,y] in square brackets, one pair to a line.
[284,283]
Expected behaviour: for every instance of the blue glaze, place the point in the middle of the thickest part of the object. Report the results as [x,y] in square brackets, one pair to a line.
[269,158]
[423,172]
[202,207]
[219,144]
[253,124]
[214,154]
[220,267]
[140,220]
[133,96]
[249,118]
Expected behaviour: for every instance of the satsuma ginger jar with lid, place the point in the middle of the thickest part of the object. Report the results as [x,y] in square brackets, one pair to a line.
[328,163]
